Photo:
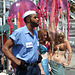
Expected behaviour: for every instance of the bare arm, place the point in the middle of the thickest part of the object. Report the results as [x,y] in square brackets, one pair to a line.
[69,54]
[6,50]
[40,66]
[42,71]
[69,51]
[9,66]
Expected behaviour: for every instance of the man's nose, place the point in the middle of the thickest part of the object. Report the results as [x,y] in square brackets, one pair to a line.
[37,19]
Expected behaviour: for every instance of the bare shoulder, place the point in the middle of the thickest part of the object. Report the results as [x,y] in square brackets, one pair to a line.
[66,41]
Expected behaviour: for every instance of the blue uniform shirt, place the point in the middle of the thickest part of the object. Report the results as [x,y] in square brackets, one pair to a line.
[25,45]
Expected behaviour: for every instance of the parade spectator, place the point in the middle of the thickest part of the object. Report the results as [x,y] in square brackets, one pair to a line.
[57,62]
[1,57]
[25,45]
[1,61]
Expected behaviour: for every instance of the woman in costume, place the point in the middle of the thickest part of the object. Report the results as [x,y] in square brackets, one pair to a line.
[48,45]
[57,62]
[42,35]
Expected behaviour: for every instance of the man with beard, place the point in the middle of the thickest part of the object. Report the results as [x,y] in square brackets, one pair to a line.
[25,45]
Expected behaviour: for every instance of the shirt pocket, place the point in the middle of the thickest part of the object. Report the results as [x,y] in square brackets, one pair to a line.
[29,46]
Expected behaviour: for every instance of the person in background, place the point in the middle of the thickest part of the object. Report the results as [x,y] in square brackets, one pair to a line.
[42,35]
[1,61]
[25,45]
[57,62]
[9,62]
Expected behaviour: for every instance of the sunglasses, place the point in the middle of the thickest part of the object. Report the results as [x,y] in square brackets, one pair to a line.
[60,36]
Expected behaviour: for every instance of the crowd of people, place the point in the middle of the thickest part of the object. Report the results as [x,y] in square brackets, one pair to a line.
[33,52]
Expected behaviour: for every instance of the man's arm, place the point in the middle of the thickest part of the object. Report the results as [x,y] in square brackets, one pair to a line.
[6,50]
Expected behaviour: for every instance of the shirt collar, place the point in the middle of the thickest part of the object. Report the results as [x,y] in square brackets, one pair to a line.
[27,31]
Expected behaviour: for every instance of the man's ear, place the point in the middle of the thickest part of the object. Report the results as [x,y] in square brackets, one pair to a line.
[28,19]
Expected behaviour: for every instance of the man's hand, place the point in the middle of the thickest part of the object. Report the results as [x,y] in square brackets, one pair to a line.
[19,62]
[22,65]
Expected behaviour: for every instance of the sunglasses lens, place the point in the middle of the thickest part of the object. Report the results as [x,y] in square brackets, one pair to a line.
[60,36]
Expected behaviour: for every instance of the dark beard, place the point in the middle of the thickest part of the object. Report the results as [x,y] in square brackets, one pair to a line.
[33,24]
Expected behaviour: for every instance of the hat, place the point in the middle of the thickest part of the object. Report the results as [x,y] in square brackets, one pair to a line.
[28,13]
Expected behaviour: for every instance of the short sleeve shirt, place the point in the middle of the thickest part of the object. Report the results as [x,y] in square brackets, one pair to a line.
[25,45]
